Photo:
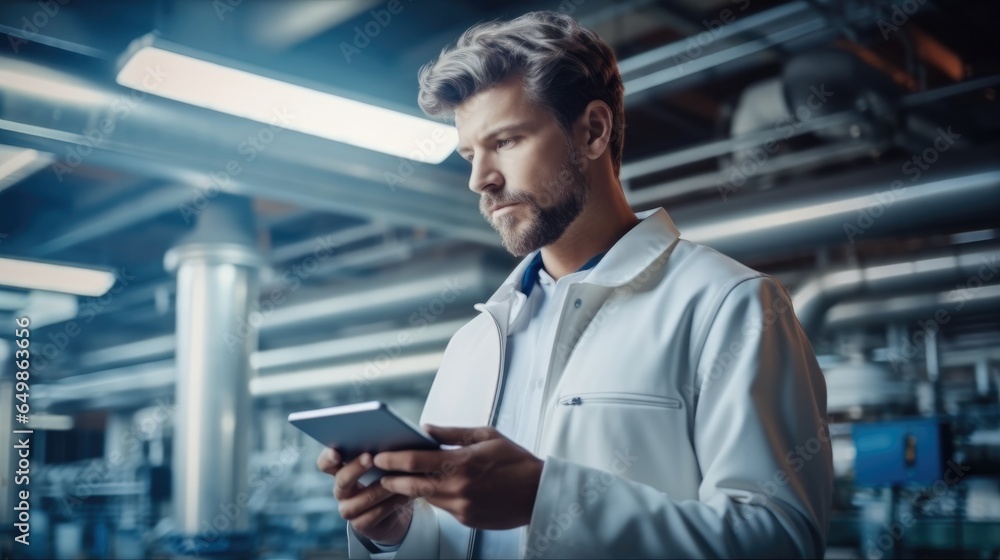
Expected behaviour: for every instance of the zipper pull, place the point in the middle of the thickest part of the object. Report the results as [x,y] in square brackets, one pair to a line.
[574,400]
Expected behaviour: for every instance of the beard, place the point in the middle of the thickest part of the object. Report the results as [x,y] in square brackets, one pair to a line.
[551,210]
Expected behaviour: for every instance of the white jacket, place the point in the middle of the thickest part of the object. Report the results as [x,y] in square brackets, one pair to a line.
[684,412]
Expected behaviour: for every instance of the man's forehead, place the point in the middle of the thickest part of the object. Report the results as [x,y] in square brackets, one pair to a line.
[489,107]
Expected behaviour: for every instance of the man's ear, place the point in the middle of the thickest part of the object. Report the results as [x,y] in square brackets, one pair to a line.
[594,126]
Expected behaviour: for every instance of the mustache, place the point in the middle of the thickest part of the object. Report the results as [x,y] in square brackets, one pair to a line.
[487,202]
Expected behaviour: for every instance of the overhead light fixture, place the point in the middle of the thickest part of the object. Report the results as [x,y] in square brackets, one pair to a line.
[35,275]
[165,69]
[18,163]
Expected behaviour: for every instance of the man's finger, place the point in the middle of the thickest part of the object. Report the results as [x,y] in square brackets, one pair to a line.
[363,501]
[346,483]
[328,461]
[372,517]
[412,461]
[460,436]
[412,486]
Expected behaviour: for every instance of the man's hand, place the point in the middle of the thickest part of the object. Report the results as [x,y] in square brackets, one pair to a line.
[375,512]
[488,483]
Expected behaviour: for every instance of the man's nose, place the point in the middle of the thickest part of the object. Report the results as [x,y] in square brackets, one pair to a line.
[485,178]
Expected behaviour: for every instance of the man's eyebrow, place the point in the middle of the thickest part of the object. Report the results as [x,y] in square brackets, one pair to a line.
[496,132]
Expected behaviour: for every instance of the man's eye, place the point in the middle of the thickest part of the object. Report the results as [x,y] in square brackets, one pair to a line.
[501,143]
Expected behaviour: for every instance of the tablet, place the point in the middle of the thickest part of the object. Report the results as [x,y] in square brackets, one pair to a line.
[356,428]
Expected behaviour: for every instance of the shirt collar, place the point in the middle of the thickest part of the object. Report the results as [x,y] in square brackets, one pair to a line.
[530,277]
[639,248]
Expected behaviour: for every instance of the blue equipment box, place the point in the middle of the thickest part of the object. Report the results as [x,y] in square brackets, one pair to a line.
[900,452]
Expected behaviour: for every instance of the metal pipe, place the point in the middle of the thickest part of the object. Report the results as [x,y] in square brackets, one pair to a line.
[957,264]
[217,282]
[125,386]
[847,207]
[215,285]
[388,298]
[272,362]
[810,29]
[685,156]
[934,306]
[382,298]
[335,239]
[731,179]
[656,56]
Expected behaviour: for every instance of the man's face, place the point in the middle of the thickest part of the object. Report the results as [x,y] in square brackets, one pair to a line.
[524,168]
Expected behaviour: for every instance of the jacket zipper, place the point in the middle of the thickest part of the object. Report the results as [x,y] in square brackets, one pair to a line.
[493,409]
[619,398]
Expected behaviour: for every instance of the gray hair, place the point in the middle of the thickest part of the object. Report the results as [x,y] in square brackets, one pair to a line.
[563,66]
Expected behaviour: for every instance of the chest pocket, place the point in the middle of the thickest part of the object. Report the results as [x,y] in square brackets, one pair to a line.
[636,399]
[628,434]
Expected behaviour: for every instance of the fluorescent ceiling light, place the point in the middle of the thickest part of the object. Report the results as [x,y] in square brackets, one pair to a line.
[18,163]
[157,67]
[55,277]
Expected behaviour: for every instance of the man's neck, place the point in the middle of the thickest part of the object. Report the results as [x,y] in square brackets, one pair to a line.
[601,224]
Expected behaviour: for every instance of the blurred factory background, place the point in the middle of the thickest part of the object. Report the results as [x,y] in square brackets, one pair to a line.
[253,267]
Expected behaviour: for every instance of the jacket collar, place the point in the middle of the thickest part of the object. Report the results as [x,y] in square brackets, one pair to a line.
[626,259]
